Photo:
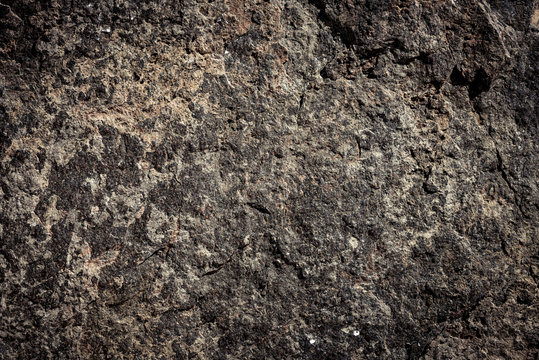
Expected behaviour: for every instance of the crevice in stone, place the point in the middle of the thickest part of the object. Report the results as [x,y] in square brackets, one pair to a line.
[259,207]
[457,78]
[345,33]
[479,84]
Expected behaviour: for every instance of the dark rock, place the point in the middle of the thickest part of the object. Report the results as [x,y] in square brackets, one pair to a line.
[313,179]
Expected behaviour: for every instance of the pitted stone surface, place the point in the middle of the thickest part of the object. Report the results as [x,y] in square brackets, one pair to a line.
[280,179]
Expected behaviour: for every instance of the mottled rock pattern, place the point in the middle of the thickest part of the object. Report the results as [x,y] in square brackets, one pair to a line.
[280,179]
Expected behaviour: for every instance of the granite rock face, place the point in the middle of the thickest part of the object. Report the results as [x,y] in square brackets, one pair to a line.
[281,179]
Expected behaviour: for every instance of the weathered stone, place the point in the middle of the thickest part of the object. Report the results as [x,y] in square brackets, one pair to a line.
[313,179]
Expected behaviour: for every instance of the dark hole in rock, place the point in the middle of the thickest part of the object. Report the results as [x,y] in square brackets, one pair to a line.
[479,84]
[457,78]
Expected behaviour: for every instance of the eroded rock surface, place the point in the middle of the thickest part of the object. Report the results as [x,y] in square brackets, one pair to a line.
[269,179]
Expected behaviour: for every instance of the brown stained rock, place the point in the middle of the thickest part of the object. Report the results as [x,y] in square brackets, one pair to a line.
[278,179]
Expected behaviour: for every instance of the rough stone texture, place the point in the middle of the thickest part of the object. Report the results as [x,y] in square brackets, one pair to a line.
[281,179]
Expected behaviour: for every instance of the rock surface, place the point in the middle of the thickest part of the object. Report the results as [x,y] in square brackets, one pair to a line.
[280,179]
